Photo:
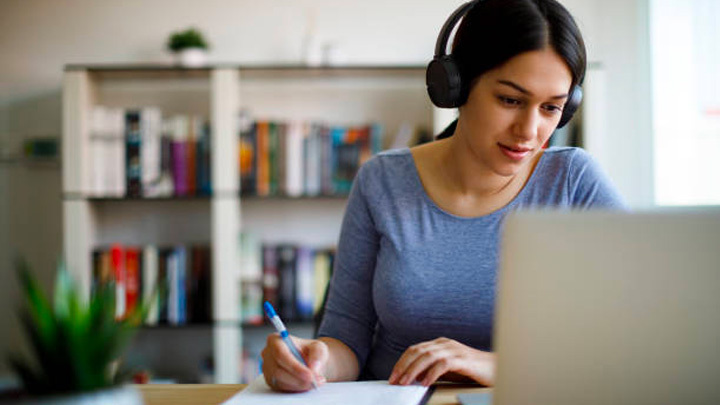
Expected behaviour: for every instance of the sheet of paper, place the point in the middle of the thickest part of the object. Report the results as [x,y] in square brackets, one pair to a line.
[347,393]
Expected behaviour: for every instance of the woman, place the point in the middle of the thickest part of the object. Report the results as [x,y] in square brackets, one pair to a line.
[412,294]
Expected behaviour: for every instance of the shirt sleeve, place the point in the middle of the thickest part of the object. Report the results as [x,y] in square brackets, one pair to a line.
[349,312]
[590,187]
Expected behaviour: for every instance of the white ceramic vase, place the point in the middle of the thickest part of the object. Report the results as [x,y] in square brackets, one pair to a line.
[123,395]
[191,57]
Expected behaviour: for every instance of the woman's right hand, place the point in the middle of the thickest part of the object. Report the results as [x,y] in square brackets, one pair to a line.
[283,372]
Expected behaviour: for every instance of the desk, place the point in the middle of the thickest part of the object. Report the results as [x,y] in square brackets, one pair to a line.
[213,394]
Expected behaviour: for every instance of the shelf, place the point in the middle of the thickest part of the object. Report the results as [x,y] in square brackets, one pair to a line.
[279,197]
[243,325]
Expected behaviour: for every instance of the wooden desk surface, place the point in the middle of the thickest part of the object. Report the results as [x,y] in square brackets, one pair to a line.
[213,394]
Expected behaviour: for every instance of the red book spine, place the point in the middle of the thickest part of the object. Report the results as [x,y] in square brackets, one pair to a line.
[118,271]
[132,282]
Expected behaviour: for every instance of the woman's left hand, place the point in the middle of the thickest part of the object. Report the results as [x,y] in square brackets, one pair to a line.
[428,361]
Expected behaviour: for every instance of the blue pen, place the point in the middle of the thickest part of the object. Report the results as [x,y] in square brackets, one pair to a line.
[280,327]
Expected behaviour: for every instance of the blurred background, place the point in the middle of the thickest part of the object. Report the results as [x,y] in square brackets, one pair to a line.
[352,71]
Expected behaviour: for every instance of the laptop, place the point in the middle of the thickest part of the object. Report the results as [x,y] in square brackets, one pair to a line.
[609,308]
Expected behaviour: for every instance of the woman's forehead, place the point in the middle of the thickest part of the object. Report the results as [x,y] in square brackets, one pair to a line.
[541,72]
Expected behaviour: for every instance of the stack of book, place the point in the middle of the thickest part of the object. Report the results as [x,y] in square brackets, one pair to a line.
[303,158]
[174,281]
[140,153]
[292,278]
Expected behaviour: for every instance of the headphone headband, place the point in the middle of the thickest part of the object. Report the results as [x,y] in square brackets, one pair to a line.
[447,28]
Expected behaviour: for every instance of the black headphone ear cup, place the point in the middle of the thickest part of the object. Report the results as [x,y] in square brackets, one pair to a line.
[444,84]
[572,104]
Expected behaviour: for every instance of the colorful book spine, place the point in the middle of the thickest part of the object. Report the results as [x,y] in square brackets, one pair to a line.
[133,163]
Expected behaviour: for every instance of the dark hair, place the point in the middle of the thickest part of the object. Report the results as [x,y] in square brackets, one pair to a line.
[494,31]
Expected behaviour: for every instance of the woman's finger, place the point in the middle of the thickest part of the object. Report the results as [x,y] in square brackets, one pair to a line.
[407,358]
[438,369]
[287,381]
[422,364]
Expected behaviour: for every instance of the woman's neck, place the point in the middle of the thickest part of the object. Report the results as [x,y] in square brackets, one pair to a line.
[466,175]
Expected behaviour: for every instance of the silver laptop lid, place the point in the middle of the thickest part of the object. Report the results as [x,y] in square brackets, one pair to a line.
[609,308]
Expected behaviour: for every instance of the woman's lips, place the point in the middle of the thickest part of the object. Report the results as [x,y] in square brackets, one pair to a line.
[516,153]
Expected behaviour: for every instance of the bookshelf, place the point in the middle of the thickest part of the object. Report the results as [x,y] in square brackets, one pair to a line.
[351,95]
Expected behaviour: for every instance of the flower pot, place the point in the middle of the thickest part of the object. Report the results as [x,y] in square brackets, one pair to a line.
[191,57]
[122,395]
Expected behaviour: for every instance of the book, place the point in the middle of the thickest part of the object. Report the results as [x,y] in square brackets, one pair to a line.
[150,149]
[322,272]
[191,155]
[150,288]
[293,184]
[117,256]
[271,279]
[286,263]
[199,285]
[204,176]
[304,283]
[133,165]
[132,279]
[179,133]
[247,158]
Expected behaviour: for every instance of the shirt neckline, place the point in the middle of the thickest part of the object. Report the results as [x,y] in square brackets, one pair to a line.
[499,211]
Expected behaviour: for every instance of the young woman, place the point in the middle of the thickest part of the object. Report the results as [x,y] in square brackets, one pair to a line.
[412,294]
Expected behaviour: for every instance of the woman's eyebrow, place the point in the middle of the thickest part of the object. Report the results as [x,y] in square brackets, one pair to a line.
[525,91]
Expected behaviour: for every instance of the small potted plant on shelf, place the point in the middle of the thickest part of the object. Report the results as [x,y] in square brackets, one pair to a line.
[189,47]
[76,346]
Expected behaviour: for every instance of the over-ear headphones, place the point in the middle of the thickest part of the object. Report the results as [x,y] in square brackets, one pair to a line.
[445,84]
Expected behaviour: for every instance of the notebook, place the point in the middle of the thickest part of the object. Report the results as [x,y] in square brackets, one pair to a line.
[347,393]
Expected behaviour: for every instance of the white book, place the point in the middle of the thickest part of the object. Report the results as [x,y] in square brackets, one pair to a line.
[150,132]
[294,159]
[116,153]
[313,145]
[304,286]
[151,294]
[250,258]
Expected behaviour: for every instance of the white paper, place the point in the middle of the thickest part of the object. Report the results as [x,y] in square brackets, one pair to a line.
[347,393]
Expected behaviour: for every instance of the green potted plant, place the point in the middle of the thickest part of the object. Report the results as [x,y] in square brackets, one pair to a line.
[189,47]
[75,345]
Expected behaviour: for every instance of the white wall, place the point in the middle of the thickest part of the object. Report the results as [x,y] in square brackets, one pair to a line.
[37,37]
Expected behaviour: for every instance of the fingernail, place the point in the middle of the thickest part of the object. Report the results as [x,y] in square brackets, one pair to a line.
[403,380]
[391,380]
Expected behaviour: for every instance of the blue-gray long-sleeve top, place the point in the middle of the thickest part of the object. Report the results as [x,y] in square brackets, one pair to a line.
[406,271]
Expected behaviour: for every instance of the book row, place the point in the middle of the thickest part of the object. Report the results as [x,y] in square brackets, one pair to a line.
[292,278]
[140,153]
[303,158]
[174,281]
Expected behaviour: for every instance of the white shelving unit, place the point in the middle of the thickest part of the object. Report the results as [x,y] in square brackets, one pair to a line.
[339,95]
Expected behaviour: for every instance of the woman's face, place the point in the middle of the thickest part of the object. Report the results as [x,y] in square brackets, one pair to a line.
[512,110]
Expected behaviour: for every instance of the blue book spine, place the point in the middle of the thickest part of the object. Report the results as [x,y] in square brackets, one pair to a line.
[181,253]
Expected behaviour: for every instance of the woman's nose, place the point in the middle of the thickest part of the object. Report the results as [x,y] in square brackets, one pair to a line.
[526,124]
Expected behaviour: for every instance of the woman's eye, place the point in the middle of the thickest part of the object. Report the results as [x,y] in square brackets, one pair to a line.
[553,108]
[509,101]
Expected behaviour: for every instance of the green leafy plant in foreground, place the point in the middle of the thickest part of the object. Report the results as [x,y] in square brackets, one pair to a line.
[75,344]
